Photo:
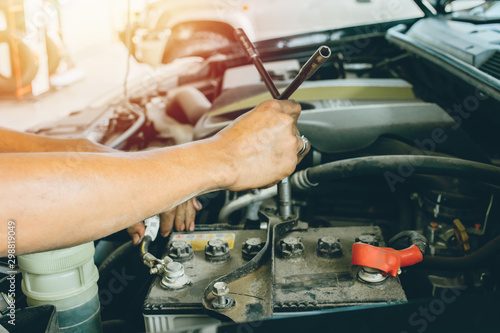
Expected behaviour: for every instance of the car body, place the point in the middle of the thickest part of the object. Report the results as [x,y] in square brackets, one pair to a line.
[168,29]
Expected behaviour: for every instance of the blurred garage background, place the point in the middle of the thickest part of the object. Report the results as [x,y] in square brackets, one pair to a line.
[81,59]
[57,56]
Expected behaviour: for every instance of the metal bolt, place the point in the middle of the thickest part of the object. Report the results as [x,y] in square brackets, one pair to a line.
[220,291]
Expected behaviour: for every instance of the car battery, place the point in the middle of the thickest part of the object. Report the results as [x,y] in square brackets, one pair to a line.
[312,271]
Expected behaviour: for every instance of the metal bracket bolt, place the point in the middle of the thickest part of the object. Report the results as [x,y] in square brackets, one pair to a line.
[220,291]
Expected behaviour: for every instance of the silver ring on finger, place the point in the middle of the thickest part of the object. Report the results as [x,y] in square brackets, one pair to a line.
[304,142]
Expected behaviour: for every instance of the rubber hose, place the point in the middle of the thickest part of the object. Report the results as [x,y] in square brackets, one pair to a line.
[475,259]
[123,250]
[402,165]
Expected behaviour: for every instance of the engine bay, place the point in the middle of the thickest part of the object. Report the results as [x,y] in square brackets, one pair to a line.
[403,129]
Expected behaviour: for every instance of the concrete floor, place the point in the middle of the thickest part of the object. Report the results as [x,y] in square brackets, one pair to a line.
[104,67]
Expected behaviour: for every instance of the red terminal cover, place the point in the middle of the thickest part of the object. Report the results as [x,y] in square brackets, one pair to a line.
[385,259]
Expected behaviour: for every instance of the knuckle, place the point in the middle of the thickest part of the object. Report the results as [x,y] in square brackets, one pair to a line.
[271,104]
[297,107]
[287,119]
[294,106]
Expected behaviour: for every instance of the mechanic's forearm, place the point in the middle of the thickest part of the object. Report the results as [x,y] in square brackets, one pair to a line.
[18,142]
[63,199]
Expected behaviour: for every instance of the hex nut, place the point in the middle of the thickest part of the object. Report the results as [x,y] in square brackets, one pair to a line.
[220,289]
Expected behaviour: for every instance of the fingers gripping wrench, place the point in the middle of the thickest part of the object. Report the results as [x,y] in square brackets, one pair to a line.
[310,67]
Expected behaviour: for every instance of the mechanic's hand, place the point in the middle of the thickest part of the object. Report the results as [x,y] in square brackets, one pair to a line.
[181,216]
[262,145]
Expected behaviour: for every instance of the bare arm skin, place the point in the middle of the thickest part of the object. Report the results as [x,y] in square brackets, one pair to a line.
[63,199]
[16,142]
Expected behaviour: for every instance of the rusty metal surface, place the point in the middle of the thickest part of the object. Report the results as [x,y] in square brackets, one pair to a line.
[252,282]
[272,283]
[252,294]
[201,272]
[312,282]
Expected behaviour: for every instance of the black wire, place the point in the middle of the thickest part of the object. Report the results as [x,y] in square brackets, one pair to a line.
[475,259]
[144,246]
[122,251]
[400,167]
[407,238]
